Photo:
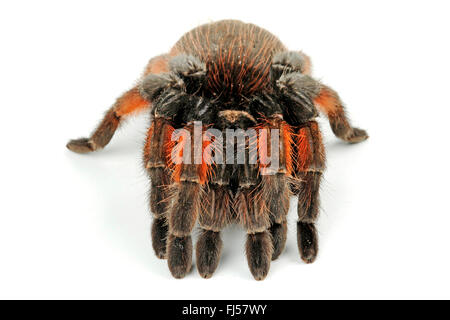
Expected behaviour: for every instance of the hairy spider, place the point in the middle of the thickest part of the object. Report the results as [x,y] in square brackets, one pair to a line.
[230,75]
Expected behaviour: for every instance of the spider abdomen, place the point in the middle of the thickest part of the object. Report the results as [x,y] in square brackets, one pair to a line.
[238,56]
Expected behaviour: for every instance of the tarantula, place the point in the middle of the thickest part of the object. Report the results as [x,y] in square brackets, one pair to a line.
[230,75]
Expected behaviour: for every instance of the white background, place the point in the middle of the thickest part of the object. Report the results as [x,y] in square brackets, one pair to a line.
[75,226]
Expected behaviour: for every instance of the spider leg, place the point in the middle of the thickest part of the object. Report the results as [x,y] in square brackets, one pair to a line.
[328,101]
[275,186]
[159,233]
[292,61]
[155,161]
[292,70]
[130,102]
[159,198]
[259,250]
[279,236]
[310,164]
[275,190]
[187,201]
[208,250]
[182,217]
[252,211]
[214,216]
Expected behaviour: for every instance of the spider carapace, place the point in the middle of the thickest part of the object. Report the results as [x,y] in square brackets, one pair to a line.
[229,78]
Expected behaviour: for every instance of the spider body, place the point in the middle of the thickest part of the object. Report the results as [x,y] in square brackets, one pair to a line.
[234,78]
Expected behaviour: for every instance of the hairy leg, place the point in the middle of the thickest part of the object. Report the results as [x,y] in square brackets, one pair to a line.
[179,255]
[275,188]
[130,102]
[329,102]
[295,69]
[279,236]
[155,162]
[308,211]
[159,201]
[208,249]
[182,217]
[311,163]
[259,250]
[213,217]
[159,237]
[292,61]
[275,191]
[252,211]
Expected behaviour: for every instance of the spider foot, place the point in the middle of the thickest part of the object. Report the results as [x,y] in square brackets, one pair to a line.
[208,251]
[259,254]
[357,135]
[159,236]
[278,232]
[82,145]
[307,241]
[179,256]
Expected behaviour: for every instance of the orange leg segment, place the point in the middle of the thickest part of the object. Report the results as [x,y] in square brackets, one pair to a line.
[328,101]
[130,102]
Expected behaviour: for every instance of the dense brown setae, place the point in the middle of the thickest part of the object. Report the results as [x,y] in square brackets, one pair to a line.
[230,75]
[238,56]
